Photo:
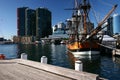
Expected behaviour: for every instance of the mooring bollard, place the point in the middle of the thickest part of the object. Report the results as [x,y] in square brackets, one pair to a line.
[114,52]
[44,59]
[24,56]
[78,66]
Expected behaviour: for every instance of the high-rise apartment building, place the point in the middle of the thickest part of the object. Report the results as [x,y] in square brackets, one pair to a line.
[43,22]
[21,21]
[116,23]
[33,22]
[30,22]
[110,26]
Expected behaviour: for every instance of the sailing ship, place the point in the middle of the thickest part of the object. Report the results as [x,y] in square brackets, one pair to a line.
[83,39]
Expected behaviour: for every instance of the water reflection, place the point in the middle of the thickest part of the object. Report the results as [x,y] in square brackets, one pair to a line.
[110,69]
[55,53]
[59,57]
[103,65]
[35,52]
[90,63]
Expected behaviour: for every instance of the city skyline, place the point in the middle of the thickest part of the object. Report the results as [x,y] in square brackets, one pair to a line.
[8,15]
[35,23]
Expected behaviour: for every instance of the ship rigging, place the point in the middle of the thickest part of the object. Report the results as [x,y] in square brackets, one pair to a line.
[83,38]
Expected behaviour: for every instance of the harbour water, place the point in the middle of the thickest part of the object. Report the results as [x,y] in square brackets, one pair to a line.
[105,66]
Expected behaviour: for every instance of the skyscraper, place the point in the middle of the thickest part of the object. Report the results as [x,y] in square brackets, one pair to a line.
[43,22]
[116,23]
[30,22]
[21,21]
[110,26]
[34,22]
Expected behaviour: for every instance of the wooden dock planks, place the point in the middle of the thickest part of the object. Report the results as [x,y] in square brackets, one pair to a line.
[15,71]
[19,69]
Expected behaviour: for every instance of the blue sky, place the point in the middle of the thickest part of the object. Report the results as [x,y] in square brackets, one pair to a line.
[8,17]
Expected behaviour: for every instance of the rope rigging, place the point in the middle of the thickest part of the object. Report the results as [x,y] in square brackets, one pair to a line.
[96,14]
[107,4]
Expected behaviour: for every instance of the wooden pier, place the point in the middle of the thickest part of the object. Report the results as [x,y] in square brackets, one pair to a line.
[19,69]
[116,52]
[111,49]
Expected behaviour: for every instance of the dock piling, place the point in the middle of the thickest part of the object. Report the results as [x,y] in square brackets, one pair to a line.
[24,56]
[113,52]
[78,65]
[44,59]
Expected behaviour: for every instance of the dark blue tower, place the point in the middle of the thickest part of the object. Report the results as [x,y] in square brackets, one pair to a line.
[21,21]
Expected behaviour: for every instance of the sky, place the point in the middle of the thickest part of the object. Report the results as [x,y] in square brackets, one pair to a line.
[8,11]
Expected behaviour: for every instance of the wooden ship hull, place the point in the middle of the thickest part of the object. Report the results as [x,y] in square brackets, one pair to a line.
[84,49]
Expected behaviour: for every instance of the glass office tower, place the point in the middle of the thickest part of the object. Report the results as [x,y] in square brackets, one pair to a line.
[116,23]
[110,26]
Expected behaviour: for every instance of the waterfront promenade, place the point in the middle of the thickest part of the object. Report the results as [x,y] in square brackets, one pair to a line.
[19,69]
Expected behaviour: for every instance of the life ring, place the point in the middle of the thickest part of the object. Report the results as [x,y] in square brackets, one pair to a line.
[2,56]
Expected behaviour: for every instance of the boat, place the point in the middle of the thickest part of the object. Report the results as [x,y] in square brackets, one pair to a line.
[2,56]
[83,38]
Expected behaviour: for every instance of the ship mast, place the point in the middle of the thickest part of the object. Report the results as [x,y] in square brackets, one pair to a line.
[76,21]
[81,10]
[85,7]
[81,17]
